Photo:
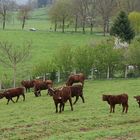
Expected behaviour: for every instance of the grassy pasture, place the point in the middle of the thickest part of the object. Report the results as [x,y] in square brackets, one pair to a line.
[44,44]
[36,118]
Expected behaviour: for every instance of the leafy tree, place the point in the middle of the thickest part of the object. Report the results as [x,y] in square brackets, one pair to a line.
[122,28]
[11,56]
[107,58]
[44,67]
[84,59]
[63,60]
[134,18]
[61,11]
[134,53]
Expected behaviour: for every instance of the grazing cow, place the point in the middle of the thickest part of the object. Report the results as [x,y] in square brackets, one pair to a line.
[117,99]
[14,92]
[77,90]
[41,85]
[27,84]
[137,99]
[75,79]
[60,96]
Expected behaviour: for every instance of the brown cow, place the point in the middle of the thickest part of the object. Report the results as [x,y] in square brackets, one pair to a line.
[14,92]
[41,85]
[75,79]
[60,96]
[27,84]
[117,99]
[137,99]
[77,90]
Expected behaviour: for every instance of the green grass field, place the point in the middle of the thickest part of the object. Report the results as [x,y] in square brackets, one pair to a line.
[35,119]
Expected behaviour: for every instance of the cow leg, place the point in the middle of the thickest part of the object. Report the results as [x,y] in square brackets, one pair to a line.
[63,106]
[60,107]
[77,97]
[126,108]
[56,106]
[71,104]
[110,108]
[123,108]
[23,97]
[12,100]
[113,108]
[82,98]
[139,104]
[26,90]
[17,98]
[39,92]
[35,93]
[8,101]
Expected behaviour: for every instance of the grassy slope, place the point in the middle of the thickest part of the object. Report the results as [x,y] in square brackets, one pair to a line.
[36,118]
[44,44]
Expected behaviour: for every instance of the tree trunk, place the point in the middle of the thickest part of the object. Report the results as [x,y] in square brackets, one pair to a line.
[104,28]
[76,23]
[4,20]
[23,23]
[107,26]
[92,72]
[63,25]
[108,72]
[58,76]
[91,28]
[84,26]
[55,26]
[0,85]
[126,72]
[14,76]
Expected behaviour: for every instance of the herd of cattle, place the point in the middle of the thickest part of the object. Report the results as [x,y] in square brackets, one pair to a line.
[62,94]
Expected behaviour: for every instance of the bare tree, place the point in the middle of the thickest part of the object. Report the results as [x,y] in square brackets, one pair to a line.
[24,11]
[11,56]
[105,9]
[128,5]
[5,7]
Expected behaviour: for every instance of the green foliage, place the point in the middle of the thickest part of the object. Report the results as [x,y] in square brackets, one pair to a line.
[63,59]
[134,18]
[106,57]
[122,28]
[134,52]
[44,67]
[84,59]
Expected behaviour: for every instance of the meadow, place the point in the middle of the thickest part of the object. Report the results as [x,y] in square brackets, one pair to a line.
[36,118]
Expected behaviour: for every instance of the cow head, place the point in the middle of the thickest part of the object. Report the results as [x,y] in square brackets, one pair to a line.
[104,97]
[1,95]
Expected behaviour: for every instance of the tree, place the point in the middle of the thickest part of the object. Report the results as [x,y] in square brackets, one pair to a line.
[122,28]
[134,18]
[105,9]
[63,60]
[61,11]
[24,11]
[84,59]
[11,56]
[44,67]
[106,58]
[5,7]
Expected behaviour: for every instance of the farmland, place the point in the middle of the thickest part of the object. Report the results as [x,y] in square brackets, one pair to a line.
[36,118]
